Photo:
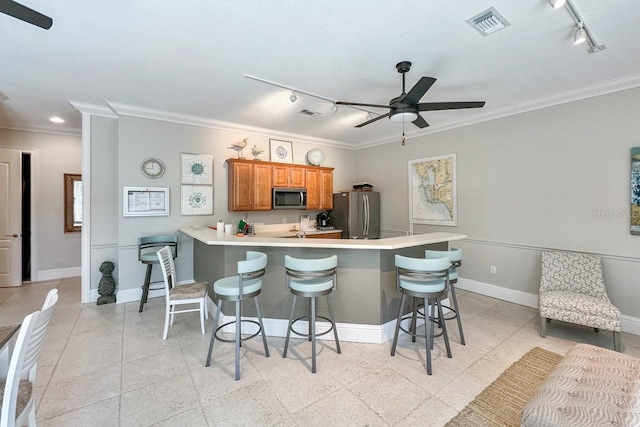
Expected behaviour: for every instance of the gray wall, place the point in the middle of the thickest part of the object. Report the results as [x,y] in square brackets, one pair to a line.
[551,178]
[55,156]
[119,146]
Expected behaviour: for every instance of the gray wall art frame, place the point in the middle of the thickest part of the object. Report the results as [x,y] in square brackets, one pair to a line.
[634,213]
[196,200]
[281,151]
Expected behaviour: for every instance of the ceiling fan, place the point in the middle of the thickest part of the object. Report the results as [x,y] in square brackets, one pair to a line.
[23,13]
[406,108]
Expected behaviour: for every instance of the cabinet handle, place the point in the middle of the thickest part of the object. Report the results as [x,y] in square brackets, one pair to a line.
[13,235]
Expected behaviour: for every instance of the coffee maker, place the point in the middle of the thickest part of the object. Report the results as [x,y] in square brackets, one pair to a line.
[322,220]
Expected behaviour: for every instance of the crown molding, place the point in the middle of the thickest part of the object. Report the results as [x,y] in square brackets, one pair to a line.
[94,110]
[57,130]
[167,116]
[584,92]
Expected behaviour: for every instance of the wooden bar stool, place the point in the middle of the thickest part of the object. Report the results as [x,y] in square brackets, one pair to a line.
[147,248]
[311,278]
[425,279]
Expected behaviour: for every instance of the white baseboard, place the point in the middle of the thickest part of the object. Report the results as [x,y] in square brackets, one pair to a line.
[630,324]
[58,273]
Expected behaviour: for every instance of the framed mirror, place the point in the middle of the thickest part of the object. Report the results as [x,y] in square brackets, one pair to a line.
[72,203]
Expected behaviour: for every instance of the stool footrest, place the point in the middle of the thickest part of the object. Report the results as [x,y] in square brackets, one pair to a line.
[241,339]
[455,314]
[309,317]
[415,334]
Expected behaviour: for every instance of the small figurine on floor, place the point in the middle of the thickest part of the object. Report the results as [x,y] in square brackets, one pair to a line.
[107,285]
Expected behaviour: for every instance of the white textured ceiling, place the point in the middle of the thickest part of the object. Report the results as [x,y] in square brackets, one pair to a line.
[190,57]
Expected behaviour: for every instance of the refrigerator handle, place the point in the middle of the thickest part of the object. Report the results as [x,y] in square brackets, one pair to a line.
[365,200]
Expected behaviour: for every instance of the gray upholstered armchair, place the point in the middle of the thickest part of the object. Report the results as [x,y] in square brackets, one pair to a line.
[572,290]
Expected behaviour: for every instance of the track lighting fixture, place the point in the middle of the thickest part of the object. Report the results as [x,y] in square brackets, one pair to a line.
[557,4]
[582,34]
[369,116]
[294,94]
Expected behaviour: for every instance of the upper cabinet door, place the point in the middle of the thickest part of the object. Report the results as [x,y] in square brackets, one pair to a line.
[313,188]
[280,176]
[297,177]
[261,187]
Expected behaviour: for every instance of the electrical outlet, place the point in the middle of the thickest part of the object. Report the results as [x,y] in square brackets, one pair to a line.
[493,269]
[284,220]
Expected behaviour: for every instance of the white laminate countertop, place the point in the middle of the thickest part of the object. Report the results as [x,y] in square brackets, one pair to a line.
[211,237]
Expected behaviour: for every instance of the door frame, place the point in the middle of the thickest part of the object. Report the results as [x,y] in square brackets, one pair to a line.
[35,166]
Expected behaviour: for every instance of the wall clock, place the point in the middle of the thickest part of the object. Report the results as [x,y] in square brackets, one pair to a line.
[152,167]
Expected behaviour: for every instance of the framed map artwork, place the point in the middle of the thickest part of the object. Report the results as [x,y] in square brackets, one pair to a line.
[635,191]
[432,190]
[196,200]
[196,168]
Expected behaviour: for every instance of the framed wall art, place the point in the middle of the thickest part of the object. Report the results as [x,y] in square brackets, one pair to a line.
[635,191]
[196,200]
[281,151]
[432,190]
[145,201]
[196,168]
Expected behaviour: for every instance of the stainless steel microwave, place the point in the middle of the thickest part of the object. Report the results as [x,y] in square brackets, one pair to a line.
[289,198]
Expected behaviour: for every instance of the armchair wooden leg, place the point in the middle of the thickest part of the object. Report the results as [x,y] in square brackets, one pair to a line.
[543,326]
[616,341]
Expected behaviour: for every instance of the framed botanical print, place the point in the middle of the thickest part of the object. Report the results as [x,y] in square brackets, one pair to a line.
[281,151]
[196,168]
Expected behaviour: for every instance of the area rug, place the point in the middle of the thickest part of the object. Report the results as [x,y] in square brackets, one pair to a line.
[500,404]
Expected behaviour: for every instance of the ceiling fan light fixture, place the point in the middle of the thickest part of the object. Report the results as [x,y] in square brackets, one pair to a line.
[403,117]
[581,35]
[557,4]
[293,97]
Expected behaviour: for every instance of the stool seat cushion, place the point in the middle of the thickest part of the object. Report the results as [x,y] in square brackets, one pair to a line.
[189,291]
[312,285]
[453,273]
[587,310]
[149,258]
[229,286]
[431,286]
[590,386]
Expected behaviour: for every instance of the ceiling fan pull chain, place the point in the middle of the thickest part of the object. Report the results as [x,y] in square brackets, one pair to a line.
[403,133]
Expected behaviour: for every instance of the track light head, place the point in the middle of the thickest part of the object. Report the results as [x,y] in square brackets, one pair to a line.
[557,4]
[293,97]
[369,116]
[334,108]
[581,35]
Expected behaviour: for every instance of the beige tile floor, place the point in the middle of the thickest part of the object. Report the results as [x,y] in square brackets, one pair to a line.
[108,366]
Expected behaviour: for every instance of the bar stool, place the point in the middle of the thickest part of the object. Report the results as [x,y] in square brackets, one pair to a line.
[247,284]
[311,278]
[147,248]
[455,254]
[426,279]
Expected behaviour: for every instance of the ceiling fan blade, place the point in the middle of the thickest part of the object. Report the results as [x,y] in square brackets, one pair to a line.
[420,122]
[418,90]
[373,120]
[23,13]
[433,106]
[359,104]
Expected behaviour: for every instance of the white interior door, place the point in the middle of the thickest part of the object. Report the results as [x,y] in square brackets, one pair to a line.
[10,218]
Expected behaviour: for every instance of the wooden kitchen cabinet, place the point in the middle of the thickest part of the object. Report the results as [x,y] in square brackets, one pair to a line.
[288,176]
[319,188]
[249,185]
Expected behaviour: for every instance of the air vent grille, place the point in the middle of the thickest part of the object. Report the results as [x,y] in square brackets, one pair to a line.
[488,22]
[309,112]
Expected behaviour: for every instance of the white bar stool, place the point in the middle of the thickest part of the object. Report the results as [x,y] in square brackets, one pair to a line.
[311,278]
[455,255]
[425,279]
[247,284]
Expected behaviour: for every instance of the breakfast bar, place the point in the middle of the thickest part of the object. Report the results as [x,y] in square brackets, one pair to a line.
[365,302]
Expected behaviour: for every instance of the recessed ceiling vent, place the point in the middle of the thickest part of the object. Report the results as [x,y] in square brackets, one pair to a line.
[488,22]
[309,112]
[3,97]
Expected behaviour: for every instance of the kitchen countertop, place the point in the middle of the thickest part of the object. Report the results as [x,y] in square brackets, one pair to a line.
[211,237]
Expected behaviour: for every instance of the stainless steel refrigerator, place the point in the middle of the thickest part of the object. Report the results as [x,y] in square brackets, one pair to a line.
[357,214]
